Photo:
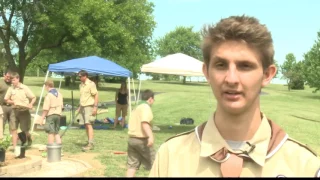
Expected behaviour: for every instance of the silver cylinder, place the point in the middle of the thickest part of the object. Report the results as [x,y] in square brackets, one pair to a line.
[54,152]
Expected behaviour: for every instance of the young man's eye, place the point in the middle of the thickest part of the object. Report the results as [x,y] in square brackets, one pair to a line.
[245,66]
[219,65]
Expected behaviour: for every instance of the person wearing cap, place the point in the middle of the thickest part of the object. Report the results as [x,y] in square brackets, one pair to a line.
[237,140]
[21,98]
[52,110]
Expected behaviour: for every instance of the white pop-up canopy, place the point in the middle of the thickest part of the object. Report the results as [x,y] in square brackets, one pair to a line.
[175,64]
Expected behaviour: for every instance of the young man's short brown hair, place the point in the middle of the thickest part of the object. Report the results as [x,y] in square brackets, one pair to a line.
[49,83]
[83,73]
[14,75]
[146,94]
[239,28]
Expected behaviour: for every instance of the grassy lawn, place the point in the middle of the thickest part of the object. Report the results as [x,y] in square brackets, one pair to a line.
[297,112]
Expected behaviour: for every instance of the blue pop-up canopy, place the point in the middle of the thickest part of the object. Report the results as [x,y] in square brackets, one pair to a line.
[91,64]
[94,66]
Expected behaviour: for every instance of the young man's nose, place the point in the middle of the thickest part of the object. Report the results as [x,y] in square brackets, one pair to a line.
[232,76]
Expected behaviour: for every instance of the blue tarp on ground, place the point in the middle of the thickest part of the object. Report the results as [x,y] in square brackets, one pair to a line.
[92,64]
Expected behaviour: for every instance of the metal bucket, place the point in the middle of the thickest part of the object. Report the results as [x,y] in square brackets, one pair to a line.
[54,152]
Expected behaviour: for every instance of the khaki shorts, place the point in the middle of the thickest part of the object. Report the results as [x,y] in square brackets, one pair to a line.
[8,116]
[121,108]
[139,153]
[52,125]
[85,115]
[23,118]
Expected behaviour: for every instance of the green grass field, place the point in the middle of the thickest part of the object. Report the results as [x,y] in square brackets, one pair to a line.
[297,112]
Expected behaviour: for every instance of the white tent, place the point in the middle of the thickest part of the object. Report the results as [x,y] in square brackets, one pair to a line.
[175,64]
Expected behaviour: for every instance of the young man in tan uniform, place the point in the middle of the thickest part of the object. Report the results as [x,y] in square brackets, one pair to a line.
[7,114]
[140,143]
[88,106]
[237,140]
[52,110]
[22,99]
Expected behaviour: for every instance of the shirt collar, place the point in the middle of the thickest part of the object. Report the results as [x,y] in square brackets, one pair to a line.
[86,82]
[19,86]
[212,141]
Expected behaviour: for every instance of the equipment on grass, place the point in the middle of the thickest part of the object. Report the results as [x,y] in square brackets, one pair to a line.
[72,120]
[119,152]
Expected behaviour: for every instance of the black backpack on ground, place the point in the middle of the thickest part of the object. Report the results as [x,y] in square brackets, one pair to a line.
[187,121]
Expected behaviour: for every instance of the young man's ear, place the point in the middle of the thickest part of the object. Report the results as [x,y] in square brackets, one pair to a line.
[268,74]
[205,72]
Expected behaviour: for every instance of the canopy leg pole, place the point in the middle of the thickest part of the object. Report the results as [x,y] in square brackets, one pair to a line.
[134,91]
[129,97]
[139,88]
[60,83]
[39,102]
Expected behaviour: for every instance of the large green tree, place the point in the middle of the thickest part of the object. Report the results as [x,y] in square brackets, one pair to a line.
[47,31]
[312,65]
[292,71]
[287,68]
[297,77]
[181,40]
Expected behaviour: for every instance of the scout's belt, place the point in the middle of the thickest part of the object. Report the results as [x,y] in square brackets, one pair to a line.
[5,104]
[20,108]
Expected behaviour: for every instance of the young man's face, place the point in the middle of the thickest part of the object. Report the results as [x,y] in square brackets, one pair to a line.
[236,76]
[7,78]
[151,101]
[82,78]
[15,81]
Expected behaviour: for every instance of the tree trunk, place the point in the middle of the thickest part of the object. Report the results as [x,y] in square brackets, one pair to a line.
[22,63]
[184,79]
[73,79]
[22,71]
[67,80]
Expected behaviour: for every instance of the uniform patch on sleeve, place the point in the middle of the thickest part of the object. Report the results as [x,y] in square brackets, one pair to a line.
[318,173]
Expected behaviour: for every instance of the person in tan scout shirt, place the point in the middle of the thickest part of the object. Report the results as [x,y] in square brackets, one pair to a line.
[22,99]
[237,140]
[52,109]
[88,106]
[6,110]
[140,143]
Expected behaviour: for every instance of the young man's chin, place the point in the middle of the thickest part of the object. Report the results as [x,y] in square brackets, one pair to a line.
[234,109]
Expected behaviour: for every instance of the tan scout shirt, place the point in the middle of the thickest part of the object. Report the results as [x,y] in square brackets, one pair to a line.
[142,113]
[87,92]
[20,95]
[186,156]
[4,86]
[53,104]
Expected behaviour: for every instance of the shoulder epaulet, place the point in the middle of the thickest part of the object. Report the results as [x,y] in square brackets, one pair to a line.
[181,134]
[303,145]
